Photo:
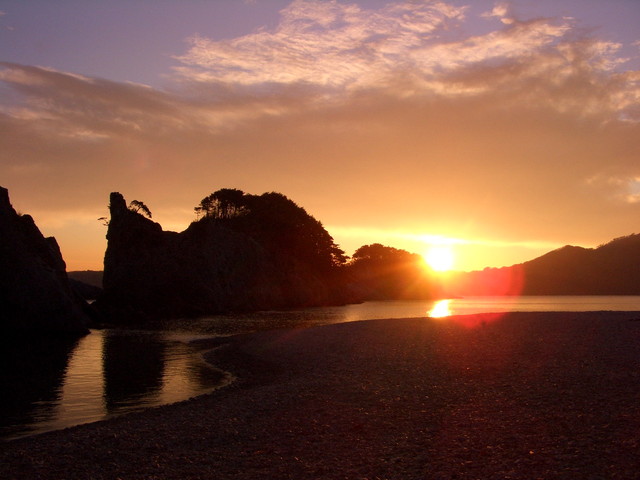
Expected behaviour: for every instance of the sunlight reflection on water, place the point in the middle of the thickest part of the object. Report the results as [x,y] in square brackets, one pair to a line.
[440,309]
[539,303]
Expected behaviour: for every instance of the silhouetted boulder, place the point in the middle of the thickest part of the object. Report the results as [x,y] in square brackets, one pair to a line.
[216,265]
[35,294]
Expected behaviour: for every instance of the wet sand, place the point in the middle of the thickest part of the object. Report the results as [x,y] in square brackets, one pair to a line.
[522,396]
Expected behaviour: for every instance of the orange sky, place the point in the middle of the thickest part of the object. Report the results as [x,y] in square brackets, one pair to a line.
[406,124]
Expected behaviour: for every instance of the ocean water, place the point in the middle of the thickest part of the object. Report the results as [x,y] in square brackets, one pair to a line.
[407,309]
[51,383]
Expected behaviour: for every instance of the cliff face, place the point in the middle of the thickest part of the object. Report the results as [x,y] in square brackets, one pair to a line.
[35,294]
[209,268]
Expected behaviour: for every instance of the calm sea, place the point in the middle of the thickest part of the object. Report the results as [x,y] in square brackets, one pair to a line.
[49,384]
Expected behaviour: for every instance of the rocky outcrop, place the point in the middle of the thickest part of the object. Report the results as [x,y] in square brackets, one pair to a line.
[35,294]
[211,267]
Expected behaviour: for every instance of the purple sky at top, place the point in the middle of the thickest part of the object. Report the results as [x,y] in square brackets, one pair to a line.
[136,40]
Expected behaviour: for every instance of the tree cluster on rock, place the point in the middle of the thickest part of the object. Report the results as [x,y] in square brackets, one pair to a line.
[138,206]
[223,204]
[277,223]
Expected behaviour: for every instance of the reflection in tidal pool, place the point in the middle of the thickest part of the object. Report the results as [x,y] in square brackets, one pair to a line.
[105,373]
[32,372]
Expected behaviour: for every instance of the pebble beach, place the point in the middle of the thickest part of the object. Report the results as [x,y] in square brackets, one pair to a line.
[553,395]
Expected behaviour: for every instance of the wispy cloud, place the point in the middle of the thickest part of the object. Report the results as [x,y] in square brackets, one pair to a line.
[337,47]
[68,104]
[328,44]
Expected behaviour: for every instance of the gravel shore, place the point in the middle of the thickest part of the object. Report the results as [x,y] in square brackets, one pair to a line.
[515,396]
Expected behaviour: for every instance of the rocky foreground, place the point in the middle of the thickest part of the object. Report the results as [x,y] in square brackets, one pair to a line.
[522,396]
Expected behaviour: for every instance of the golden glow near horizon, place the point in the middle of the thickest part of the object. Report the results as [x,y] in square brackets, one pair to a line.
[470,251]
[440,258]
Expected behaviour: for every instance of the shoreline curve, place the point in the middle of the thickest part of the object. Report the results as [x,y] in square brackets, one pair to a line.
[520,395]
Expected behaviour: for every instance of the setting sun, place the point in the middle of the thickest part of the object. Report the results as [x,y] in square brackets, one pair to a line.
[439,257]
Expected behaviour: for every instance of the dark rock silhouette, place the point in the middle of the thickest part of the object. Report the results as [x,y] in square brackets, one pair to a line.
[218,264]
[610,269]
[85,290]
[35,294]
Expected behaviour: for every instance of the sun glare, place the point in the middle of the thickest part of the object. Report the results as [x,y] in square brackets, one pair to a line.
[440,257]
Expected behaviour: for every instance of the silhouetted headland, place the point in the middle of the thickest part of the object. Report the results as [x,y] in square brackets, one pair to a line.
[244,253]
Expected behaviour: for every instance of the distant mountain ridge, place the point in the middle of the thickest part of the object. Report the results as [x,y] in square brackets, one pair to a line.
[90,277]
[610,269]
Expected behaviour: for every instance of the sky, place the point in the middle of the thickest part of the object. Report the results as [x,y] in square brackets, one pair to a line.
[502,129]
